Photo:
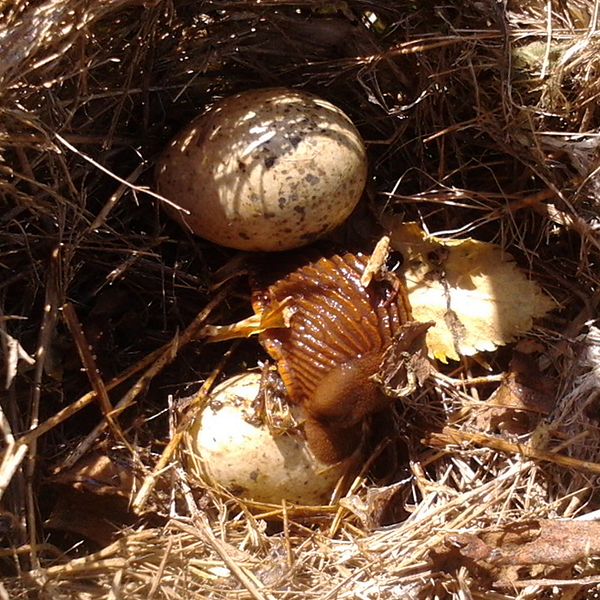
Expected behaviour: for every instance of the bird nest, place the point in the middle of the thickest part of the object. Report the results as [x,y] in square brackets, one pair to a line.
[481,121]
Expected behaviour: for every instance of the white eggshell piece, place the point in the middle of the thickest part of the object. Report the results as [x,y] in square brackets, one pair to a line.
[265,170]
[249,461]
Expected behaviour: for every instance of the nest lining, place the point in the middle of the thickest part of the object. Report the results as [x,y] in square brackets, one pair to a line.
[480,122]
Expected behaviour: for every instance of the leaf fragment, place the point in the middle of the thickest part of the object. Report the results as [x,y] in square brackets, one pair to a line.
[275,317]
[535,549]
[474,292]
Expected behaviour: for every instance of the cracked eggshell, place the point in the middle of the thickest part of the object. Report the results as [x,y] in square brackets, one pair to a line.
[265,170]
[224,447]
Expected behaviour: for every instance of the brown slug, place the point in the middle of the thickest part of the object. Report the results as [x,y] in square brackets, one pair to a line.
[335,341]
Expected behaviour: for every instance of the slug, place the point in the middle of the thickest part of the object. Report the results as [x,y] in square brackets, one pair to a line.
[338,334]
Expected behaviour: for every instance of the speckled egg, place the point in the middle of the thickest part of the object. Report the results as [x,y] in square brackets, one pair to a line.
[265,170]
[224,447]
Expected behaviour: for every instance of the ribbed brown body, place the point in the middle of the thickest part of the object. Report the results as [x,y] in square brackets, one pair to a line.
[338,331]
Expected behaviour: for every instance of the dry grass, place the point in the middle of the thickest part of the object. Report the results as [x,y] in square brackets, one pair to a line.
[482,119]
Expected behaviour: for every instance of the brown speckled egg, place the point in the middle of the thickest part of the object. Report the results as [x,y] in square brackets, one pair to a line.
[265,170]
[225,448]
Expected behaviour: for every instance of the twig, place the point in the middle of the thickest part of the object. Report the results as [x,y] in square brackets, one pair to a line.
[239,571]
[13,455]
[452,436]
[150,480]
[67,412]
[126,183]
[167,355]
[91,368]
[114,199]
[203,531]
[51,304]
[157,578]
[579,582]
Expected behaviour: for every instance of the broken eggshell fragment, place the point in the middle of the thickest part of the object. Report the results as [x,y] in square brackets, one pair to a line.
[225,446]
[265,170]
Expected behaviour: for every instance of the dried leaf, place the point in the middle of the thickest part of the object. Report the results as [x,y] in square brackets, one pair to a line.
[405,365]
[93,498]
[381,506]
[99,474]
[538,546]
[545,542]
[477,296]
[523,397]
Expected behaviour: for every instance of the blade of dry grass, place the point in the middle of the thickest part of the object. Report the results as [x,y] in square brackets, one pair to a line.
[451,436]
